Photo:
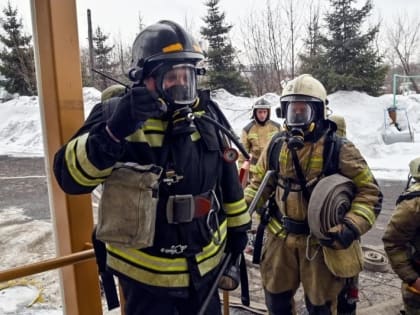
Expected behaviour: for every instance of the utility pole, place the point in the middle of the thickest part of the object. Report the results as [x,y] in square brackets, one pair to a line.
[91,52]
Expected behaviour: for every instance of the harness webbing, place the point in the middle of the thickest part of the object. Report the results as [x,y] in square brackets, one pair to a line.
[408,196]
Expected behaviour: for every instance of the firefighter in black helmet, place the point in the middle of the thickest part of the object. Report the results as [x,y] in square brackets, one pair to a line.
[200,210]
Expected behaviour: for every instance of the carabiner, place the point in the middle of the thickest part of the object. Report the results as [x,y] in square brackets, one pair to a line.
[216,239]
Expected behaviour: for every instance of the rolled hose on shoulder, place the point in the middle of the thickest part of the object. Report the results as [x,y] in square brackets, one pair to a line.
[330,201]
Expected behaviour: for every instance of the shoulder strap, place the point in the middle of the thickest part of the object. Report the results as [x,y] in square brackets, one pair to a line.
[226,133]
[331,154]
[408,196]
[109,107]
[214,109]
[273,151]
[300,175]
[276,124]
[248,127]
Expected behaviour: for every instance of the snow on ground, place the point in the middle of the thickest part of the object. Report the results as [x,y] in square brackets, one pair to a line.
[24,240]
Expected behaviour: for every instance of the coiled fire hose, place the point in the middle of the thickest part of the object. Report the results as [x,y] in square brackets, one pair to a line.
[329,202]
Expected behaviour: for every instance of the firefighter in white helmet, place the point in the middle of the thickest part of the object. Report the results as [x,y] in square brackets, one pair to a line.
[258,132]
[289,255]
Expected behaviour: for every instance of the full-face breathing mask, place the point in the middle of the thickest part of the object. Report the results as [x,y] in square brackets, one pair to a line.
[299,121]
[176,83]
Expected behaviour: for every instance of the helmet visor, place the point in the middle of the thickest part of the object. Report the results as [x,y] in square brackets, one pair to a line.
[179,84]
[299,114]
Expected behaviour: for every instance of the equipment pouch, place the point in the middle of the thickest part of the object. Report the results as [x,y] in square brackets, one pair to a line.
[127,208]
[344,263]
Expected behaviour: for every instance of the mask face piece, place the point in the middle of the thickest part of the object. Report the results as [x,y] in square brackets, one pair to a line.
[299,114]
[296,139]
[177,84]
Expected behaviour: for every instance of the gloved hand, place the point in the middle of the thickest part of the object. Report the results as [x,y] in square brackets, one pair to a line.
[341,236]
[236,242]
[133,110]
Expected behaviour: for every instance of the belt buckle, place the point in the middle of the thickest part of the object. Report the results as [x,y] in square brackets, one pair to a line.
[180,209]
[283,219]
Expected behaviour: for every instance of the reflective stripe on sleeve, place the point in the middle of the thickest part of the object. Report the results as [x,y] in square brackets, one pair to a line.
[237,213]
[363,178]
[364,211]
[84,162]
[74,171]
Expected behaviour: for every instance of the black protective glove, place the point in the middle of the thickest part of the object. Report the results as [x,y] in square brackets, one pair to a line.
[236,242]
[133,110]
[341,236]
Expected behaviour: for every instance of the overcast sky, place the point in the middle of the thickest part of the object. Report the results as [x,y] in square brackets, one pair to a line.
[119,18]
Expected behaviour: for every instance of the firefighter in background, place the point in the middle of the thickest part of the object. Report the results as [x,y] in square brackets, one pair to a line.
[285,262]
[256,134]
[201,212]
[402,240]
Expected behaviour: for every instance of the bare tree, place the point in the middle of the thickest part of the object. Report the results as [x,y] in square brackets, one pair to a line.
[255,55]
[141,22]
[293,20]
[313,29]
[263,39]
[189,24]
[274,31]
[122,58]
[404,38]
[272,41]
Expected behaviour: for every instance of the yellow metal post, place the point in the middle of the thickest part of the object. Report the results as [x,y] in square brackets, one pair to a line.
[61,103]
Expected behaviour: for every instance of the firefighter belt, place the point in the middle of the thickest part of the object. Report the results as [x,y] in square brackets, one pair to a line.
[184,208]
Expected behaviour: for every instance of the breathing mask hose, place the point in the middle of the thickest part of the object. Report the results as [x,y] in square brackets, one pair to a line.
[228,133]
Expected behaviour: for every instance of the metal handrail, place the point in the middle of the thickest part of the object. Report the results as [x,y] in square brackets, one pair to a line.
[46,265]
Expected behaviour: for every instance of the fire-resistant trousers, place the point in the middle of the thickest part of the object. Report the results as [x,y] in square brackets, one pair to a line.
[285,263]
[140,301]
[411,300]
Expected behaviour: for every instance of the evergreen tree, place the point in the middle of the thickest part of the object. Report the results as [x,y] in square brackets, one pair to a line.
[103,59]
[222,71]
[347,59]
[17,63]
